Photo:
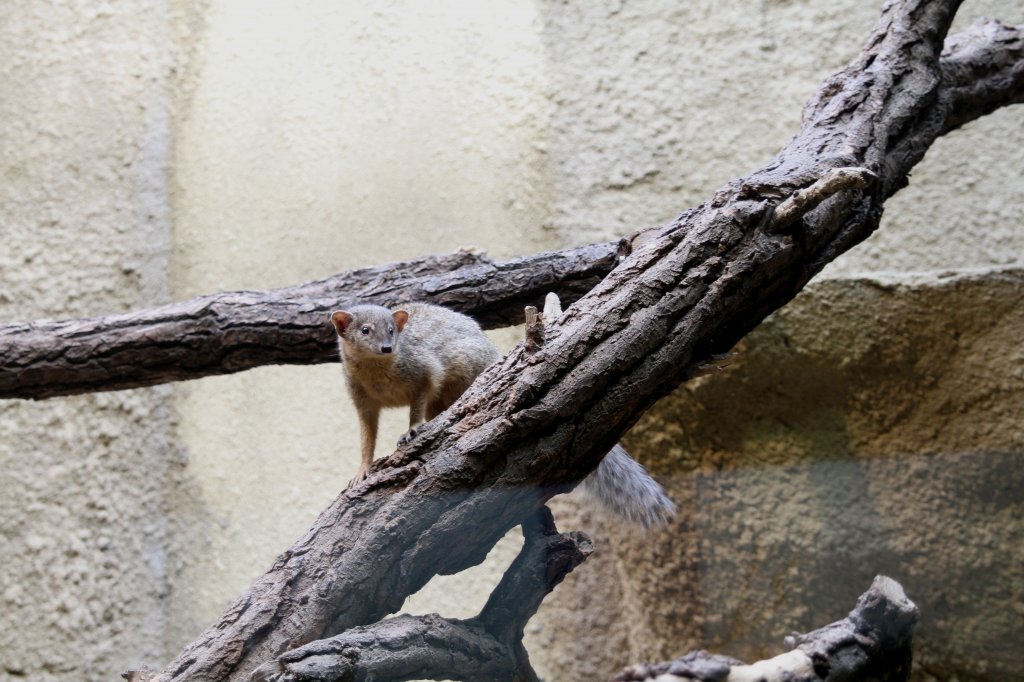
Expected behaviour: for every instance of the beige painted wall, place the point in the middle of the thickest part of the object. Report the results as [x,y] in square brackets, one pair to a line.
[659,104]
[156,151]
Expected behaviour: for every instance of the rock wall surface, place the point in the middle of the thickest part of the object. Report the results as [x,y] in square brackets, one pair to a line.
[873,426]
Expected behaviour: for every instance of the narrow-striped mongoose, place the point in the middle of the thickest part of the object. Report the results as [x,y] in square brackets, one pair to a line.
[425,356]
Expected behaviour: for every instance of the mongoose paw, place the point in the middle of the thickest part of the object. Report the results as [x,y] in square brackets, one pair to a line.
[361,474]
[407,437]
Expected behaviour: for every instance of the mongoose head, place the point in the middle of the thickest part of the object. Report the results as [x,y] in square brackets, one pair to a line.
[369,330]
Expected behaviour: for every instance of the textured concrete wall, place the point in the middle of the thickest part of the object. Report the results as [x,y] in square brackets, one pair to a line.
[84,230]
[156,151]
[659,104]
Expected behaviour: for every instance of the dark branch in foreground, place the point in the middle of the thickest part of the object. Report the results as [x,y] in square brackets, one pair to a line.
[235,331]
[488,647]
[872,643]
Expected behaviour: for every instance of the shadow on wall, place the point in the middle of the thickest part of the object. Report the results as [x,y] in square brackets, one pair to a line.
[870,427]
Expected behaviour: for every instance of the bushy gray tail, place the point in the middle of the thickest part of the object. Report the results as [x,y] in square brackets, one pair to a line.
[622,485]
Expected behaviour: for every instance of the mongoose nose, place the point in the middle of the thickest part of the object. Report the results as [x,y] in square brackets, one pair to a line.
[385,349]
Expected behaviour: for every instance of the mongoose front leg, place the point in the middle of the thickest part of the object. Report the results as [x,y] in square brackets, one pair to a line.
[369,416]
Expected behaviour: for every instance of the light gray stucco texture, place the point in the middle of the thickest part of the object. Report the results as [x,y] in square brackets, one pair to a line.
[85,230]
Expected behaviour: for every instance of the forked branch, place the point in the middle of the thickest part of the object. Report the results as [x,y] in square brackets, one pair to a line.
[488,647]
[536,423]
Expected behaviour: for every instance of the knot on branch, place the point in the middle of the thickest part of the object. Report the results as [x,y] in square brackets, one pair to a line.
[803,201]
[534,330]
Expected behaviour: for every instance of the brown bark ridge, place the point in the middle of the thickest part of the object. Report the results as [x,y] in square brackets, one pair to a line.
[872,643]
[235,331]
[535,423]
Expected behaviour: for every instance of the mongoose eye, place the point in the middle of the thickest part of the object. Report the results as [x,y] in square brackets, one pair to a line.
[391,330]
[365,330]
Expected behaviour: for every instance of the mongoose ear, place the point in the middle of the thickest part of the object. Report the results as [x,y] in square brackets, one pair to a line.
[401,317]
[341,320]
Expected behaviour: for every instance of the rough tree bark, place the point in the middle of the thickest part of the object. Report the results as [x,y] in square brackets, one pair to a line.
[231,332]
[540,420]
[873,643]
[487,647]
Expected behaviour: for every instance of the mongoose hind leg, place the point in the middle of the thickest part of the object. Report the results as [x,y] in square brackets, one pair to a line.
[409,435]
[433,408]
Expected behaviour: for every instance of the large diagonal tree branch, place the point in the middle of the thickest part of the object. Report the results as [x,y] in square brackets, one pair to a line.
[535,423]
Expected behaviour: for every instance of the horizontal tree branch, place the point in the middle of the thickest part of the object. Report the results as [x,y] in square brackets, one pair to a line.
[400,648]
[981,71]
[534,424]
[235,331]
[873,642]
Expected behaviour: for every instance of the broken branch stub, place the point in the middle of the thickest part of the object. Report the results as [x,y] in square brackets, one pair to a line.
[874,642]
